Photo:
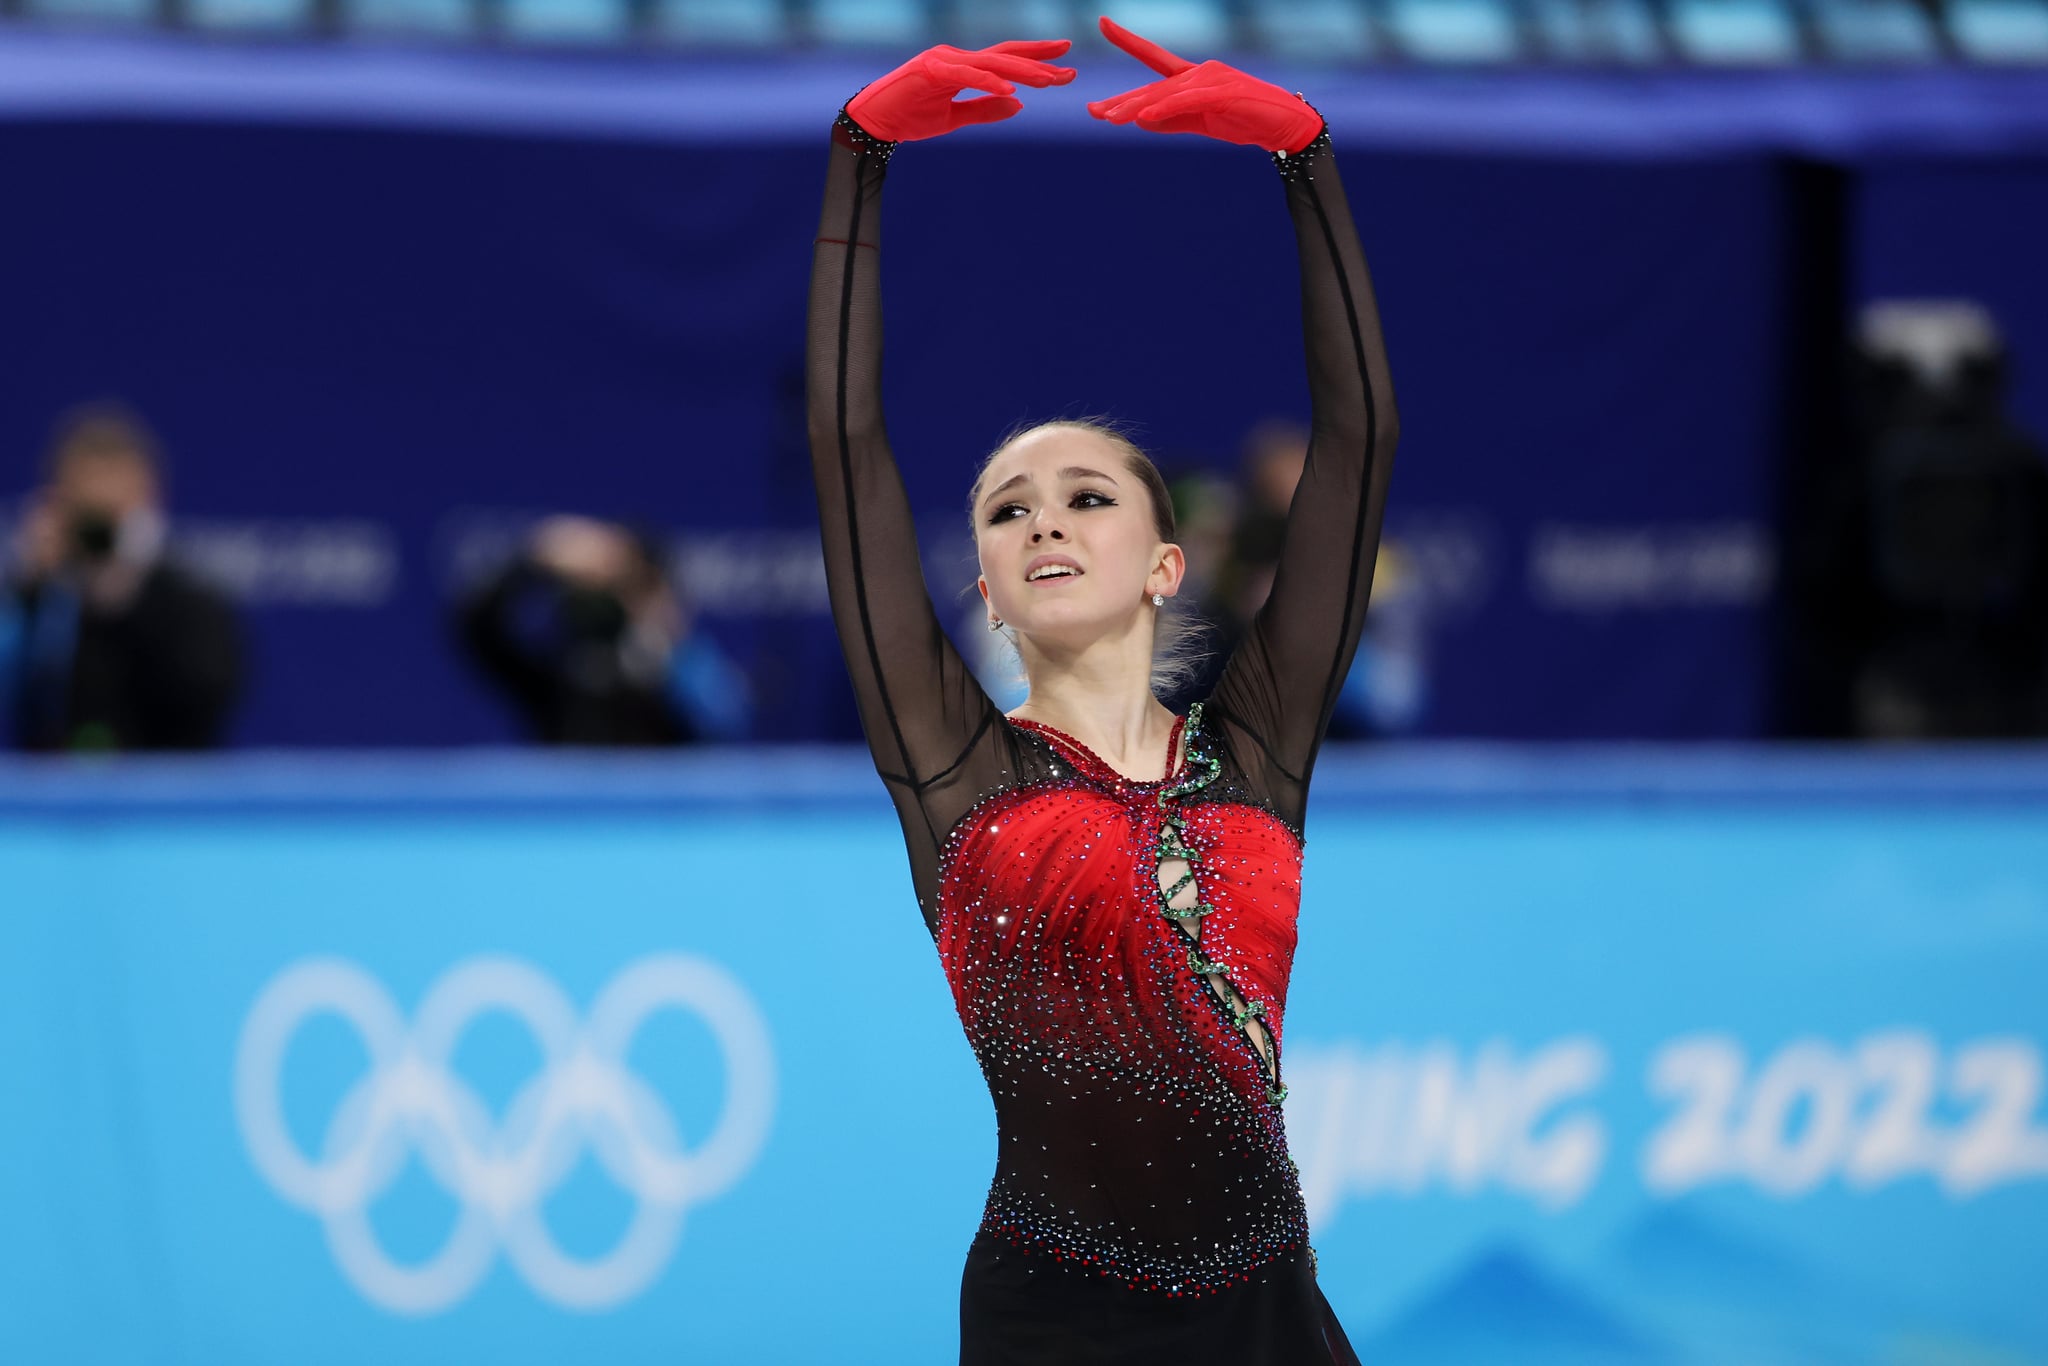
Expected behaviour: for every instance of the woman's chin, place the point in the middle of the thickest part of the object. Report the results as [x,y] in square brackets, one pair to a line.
[1069,627]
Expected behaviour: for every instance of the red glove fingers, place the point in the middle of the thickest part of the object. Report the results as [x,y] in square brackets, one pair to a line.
[1213,99]
[987,109]
[1025,69]
[1202,98]
[1144,49]
[960,76]
[1037,49]
[1119,108]
[916,100]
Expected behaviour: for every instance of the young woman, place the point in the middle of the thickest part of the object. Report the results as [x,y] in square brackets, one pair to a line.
[1113,888]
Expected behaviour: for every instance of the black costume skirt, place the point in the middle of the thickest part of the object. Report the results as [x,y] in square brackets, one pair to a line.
[1018,1310]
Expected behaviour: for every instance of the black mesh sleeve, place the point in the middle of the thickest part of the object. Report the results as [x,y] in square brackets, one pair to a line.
[1276,692]
[937,739]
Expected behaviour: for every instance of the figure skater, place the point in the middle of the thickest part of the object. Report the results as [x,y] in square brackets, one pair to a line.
[1112,888]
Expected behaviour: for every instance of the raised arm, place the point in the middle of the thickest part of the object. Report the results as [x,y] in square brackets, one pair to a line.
[1282,683]
[919,703]
[1279,688]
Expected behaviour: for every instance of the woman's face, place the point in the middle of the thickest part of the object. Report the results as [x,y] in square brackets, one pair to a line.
[1068,544]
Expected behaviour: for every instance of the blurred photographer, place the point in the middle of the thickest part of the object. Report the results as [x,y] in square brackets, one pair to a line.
[585,635]
[1924,597]
[106,644]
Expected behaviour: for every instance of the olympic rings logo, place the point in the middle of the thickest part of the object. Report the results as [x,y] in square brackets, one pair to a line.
[583,1098]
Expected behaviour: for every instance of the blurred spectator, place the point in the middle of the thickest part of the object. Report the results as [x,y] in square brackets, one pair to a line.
[1205,509]
[1274,453]
[1386,692]
[1923,595]
[586,636]
[105,643]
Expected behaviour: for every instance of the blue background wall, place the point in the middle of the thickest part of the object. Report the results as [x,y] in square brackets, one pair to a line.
[388,307]
[1706,1058]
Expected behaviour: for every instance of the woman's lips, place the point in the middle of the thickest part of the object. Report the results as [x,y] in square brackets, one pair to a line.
[1042,561]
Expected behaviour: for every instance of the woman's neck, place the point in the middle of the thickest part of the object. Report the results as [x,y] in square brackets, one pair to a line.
[1103,698]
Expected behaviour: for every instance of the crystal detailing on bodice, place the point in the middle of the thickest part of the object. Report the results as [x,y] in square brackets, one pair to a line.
[1135,1084]
[1180,901]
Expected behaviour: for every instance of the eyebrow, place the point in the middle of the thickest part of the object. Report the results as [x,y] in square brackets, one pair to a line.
[1070,472]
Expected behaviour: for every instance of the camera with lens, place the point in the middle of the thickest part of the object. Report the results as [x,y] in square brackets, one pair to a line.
[93,536]
[589,614]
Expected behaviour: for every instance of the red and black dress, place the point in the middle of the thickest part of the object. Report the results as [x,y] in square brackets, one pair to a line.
[1119,951]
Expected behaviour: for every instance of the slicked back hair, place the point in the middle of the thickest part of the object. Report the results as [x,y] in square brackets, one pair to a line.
[1179,644]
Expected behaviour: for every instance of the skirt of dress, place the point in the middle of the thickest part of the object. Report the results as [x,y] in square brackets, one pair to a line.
[1018,1310]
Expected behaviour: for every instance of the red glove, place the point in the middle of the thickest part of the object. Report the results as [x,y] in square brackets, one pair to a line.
[1212,99]
[916,99]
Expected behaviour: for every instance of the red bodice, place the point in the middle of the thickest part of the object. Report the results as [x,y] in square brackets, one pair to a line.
[1082,1000]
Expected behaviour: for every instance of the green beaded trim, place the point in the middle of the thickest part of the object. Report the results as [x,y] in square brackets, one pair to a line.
[1197,760]
[1202,769]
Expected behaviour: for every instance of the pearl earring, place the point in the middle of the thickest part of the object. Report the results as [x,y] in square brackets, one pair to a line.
[1159,599]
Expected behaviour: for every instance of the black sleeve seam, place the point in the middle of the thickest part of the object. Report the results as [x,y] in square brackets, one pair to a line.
[1335,678]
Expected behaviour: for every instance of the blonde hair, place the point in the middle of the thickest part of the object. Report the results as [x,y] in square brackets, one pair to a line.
[1180,640]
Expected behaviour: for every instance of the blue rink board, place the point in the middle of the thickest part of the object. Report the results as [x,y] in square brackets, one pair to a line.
[1595,1056]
